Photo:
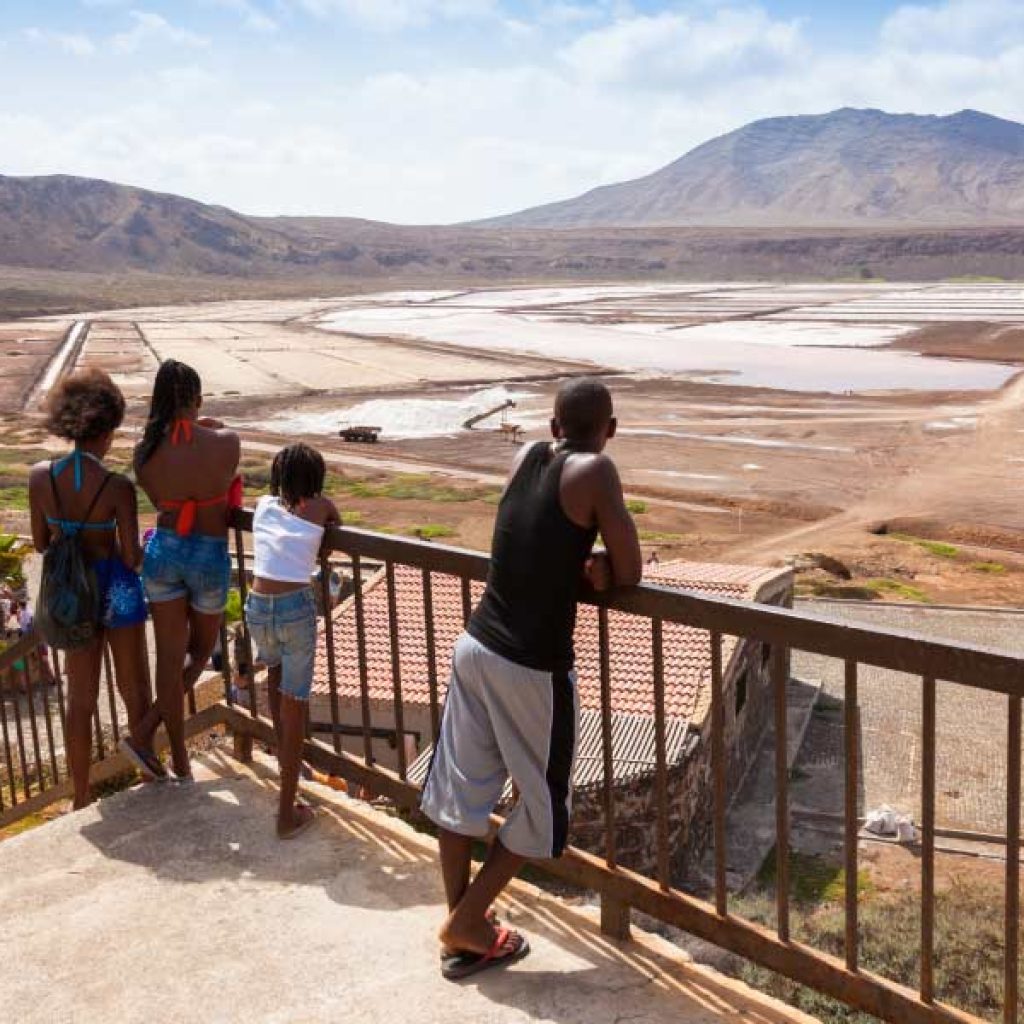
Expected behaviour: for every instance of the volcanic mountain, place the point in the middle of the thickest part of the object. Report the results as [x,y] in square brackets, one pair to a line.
[848,168]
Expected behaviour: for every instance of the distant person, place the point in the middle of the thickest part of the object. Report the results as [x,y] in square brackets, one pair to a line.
[187,466]
[511,708]
[288,531]
[78,499]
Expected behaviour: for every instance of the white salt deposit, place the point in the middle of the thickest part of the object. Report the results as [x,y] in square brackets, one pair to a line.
[754,442]
[953,423]
[399,418]
[679,474]
[757,353]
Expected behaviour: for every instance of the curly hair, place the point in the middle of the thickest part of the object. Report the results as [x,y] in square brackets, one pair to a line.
[84,406]
[297,472]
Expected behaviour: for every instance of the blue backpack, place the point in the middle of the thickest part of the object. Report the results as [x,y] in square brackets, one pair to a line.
[69,608]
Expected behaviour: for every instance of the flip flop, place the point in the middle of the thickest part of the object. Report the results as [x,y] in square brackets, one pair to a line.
[306,815]
[471,963]
[453,958]
[146,763]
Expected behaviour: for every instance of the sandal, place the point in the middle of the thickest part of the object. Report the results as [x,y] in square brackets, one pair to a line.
[145,762]
[508,947]
[306,816]
[453,958]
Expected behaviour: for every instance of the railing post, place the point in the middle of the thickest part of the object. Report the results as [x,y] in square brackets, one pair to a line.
[396,669]
[431,645]
[928,841]
[332,671]
[243,591]
[718,773]
[780,683]
[364,671]
[241,746]
[660,753]
[1011,985]
[607,750]
[851,827]
[615,917]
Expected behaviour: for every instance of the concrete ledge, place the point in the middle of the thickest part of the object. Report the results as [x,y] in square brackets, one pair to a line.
[171,903]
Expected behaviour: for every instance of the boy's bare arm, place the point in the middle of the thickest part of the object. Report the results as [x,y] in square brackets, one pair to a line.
[592,495]
[616,526]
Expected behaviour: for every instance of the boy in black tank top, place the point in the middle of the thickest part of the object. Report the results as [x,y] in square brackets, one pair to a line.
[511,706]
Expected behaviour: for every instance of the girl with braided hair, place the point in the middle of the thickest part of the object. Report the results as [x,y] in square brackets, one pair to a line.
[187,466]
[288,531]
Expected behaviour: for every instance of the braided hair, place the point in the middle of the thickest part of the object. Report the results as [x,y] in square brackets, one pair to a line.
[177,387]
[297,473]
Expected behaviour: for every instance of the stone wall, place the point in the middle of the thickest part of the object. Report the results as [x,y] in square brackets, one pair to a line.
[690,782]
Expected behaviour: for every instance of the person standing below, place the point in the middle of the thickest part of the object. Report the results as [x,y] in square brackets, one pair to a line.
[78,497]
[187,466]
[511,708]
[288,531]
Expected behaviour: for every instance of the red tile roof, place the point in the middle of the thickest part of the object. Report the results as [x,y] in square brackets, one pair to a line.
[687,655]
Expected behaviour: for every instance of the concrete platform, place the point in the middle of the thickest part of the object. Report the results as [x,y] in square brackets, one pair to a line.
[177,905]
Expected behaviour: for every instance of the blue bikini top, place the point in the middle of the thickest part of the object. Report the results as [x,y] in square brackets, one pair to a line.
[72,526]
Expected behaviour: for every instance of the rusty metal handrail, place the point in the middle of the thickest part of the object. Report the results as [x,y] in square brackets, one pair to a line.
[784,630]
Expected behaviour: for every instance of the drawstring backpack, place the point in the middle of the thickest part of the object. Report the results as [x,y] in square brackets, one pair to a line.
[69,608]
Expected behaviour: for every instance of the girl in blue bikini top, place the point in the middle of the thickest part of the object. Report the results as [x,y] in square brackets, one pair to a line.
[78,494]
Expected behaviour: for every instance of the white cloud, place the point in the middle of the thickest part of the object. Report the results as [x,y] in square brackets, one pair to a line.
[77,44]
[183,81]
[394,15]
[670,49]
[253,18]
[956,25]
[588,102]
[149,27]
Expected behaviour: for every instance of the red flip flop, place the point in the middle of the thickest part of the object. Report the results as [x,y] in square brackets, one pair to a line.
[470,964]
[455,958]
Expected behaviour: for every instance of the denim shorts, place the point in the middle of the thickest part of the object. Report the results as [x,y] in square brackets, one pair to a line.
[196,567]
[122,600]
[284,628]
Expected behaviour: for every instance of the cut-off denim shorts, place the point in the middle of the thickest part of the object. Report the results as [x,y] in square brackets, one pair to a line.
[195,566]
[284,628]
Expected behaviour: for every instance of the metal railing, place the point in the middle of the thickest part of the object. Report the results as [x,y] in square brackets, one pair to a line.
[621,888]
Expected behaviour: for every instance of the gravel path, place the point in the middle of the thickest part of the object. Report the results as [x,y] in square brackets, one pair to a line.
[971,724]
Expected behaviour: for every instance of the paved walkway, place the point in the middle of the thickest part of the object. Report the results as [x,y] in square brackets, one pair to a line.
[971,724]
[179,905]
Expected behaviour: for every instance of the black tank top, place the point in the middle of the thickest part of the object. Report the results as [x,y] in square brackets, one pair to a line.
[528,611]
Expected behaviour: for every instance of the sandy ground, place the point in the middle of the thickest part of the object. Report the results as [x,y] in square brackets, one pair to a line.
[759,474]
[26,347]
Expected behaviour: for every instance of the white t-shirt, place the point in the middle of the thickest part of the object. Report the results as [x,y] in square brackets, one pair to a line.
[285,546]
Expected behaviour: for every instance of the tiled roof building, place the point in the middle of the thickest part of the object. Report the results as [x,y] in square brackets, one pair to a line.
[687,651]
[686,670]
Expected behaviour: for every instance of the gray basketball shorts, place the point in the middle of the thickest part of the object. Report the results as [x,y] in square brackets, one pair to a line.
[503,721]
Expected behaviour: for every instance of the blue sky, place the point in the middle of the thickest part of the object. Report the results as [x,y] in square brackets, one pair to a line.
[432,111]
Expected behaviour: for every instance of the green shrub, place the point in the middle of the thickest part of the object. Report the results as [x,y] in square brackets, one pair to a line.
[233,609]
[934,547]
[993,568]
[968,948]
[894,588]
[635,506]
